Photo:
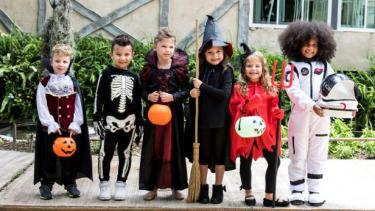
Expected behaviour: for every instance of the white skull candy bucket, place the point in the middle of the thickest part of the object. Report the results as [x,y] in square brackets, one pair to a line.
[250,126]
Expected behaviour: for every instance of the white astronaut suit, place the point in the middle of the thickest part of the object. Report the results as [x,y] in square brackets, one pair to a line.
[308,133]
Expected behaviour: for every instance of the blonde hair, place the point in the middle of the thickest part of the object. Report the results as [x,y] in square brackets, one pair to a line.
[265,78]
[62,49]
[164,33]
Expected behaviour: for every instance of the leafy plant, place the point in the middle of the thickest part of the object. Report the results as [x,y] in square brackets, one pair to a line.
[365,81]
[368,146]
[19,60]
[343,149]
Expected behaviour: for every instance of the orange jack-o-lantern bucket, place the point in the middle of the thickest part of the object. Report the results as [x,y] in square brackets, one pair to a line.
[64,146]
[159,114]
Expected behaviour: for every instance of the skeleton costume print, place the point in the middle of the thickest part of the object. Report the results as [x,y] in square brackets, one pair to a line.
[118,108]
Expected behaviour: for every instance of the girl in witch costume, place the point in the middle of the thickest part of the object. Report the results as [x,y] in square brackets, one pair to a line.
[164,79]
[309,46]
[213,87]
[61,113]
[254,95]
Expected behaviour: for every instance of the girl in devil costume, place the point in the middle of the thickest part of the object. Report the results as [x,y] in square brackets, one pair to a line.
[60,113]
[164,79]
[310,46]
[254,95]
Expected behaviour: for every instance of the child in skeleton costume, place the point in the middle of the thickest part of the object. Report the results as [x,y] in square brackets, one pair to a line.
[213,87]
[61,113]
[309,46]
[164,80]
[117,116]
[254,95]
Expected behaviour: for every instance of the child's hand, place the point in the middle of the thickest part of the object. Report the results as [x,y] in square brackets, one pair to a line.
[99,128]
[278,113]
[166,97]
[197,83]
[58,131]
[253,102]
[318,110]
[194,93]
[153,97]
[73,132]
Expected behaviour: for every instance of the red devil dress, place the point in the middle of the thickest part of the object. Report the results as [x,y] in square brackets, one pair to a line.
[256,102]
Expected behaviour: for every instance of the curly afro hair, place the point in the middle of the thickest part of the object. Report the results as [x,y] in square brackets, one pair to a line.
[298,33]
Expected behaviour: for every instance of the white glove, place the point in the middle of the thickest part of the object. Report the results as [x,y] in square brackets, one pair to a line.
[100,128]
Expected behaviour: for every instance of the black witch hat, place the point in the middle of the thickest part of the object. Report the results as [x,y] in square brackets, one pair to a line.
[247,52]
[214,36]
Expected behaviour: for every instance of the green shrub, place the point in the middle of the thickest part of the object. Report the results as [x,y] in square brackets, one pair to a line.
[19,60]
[343,149]
[368,147]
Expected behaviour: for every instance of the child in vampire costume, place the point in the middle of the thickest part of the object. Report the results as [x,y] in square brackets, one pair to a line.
[61,113]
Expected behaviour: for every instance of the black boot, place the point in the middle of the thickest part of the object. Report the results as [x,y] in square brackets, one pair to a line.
[217,194]
[203,197]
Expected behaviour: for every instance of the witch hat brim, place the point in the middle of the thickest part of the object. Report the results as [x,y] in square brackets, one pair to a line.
[213,37]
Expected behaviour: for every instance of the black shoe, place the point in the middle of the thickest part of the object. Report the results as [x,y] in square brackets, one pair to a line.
[73,192]
[203,197]
[268,203]
[45,192]
[250,200]
[217,194]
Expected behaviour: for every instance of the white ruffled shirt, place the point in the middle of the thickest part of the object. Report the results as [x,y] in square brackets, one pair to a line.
[58,86]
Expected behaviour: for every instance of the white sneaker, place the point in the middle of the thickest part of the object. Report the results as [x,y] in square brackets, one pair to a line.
[296,198]
[105,191]
[316,199]
[119,191]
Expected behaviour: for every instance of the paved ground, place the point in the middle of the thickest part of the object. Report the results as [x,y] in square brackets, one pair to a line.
[349,185]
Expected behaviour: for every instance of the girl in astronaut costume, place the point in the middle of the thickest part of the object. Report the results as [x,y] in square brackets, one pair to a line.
[309,46]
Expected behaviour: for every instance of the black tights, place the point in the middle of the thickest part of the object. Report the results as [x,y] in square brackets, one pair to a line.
[245,171]
[107,149]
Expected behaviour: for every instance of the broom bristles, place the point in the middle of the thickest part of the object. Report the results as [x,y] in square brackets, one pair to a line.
[194,183]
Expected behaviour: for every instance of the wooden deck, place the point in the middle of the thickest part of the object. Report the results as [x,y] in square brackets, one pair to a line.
[349,185]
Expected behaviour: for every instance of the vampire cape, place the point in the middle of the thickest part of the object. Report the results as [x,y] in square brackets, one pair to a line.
[82,156]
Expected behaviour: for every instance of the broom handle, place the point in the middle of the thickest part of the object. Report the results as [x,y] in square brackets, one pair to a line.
[197,76]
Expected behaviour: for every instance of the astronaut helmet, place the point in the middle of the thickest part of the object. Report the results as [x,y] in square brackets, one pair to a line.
[338,96]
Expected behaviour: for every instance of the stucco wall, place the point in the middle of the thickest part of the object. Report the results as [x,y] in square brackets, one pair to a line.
[143,23]
[22,12]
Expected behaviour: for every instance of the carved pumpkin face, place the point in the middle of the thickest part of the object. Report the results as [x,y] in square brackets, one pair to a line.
[159,114]
[64,146]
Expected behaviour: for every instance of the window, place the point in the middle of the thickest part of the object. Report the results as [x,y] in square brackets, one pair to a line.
[358,14]
[282,12]
[352,15]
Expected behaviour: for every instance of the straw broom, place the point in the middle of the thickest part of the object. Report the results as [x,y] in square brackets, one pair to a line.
[195,174]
